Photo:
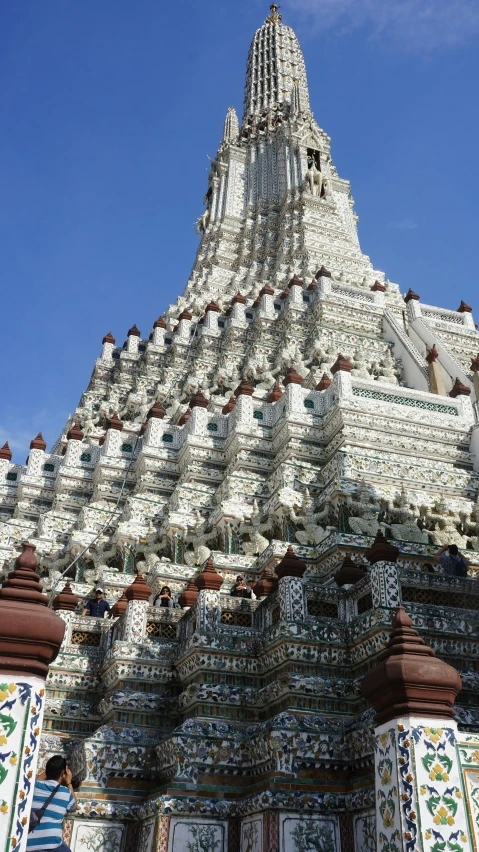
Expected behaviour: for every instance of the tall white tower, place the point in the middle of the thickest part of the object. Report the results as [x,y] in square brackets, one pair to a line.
[275,206]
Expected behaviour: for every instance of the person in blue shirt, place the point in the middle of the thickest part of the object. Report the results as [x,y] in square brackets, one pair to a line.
[97,607]
[452,563]
[47,834]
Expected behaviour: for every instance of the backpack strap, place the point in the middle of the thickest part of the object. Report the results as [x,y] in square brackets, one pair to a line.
[41,811]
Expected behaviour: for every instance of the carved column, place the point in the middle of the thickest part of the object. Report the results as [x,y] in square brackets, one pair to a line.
[436,378]
[292,605]
[30,639]
[419,798]
[385,586]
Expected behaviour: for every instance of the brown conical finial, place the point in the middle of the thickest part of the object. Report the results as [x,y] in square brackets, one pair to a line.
[348,573]
[75,433]
[114,422]
[134,331]
[292,377]
[266,291]
[120,606]
[157,412]
[459,389]
[198,400]
[409,680]
[382,550]
[209,577]
[66,600]
[290,565]
[267,583]
[378,287]
[323,383]
[341,363]
[239,299]
[411,296]
[30,632]
[212,306]
[275,393]
[185,315]
[285,294]
[475,364]
[432,354]
[229,405]
[244,388]
[323,273]
[189,595]
[5,452]
[109,338]
[139,589]
[38,443]
[464,309]
[159,323]
[101,440]
[184,417]
[296,282]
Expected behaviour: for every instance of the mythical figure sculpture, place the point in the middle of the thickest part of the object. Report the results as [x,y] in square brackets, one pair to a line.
[388,370]
[253,527]
[313,532]
[442,524]
[360,369]
[364,508]
[403,517]
[314,178]
[203,221]
[198,538]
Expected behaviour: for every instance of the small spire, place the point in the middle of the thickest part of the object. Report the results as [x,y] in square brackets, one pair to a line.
[139,589]
[198,400]
[474,366]
[5,452]
[463,308]
[108,338]
[432,354]
[290,565]
[275,394]
[159,323]
[114,422]
[134,331]
[38,443]
[378,287]
[411,296]
[292,377]
[459,389]
[209,577]
[341,363]
[244,388]
[323,383]
[229,405]
[409,680]
[75,433]
[231,126]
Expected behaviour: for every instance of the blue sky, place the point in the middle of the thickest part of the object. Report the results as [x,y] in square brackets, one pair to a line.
[109,109]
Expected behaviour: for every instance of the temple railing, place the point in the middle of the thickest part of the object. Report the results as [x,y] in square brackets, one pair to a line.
[162,623]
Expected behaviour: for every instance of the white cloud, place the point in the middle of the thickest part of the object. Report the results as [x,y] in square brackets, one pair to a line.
[418,26]
[404,224]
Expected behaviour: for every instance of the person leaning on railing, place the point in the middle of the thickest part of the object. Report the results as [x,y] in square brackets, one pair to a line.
[241,590]
[96,607]
[453,563]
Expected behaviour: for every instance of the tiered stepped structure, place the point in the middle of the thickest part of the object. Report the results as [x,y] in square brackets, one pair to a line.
[293,418]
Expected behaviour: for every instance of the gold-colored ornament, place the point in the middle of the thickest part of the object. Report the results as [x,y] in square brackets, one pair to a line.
[275,16]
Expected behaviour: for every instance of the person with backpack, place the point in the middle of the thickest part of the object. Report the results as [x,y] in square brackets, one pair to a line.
[53,798]
[453,562]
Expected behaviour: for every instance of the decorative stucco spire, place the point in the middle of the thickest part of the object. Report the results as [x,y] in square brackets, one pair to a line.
[275,61]
[231,126]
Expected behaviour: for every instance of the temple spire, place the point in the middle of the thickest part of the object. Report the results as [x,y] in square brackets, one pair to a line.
[275,62]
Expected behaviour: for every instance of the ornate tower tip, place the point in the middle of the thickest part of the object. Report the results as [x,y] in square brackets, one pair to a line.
[275,16]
